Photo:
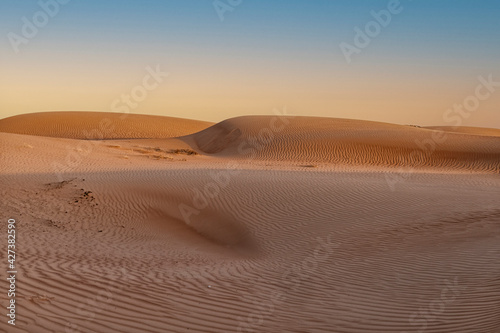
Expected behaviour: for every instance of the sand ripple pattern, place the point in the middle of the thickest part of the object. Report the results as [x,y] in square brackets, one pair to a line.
[278,247]
[351,142]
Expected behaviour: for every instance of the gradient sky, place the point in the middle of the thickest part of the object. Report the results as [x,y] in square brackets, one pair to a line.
[264,55]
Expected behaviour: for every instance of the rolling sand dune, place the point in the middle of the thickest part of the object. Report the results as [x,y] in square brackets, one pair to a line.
[99,125]
[468,130]
[328,226]
[344,141]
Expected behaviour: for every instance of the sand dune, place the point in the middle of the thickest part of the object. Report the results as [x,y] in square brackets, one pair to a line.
[323,228]
[99,125]
[468,130]
[344,141]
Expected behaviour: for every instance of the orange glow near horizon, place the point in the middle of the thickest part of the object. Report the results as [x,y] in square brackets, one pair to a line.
[218,70]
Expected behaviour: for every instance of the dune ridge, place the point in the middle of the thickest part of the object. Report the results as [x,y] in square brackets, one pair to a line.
[99,125]
[468,130]
[344,141]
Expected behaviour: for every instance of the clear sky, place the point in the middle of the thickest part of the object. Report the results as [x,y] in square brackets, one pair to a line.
[251,56]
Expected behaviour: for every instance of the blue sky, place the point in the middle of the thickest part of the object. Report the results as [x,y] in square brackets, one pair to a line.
[264,54]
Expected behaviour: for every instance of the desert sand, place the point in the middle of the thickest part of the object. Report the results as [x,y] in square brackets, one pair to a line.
[135,223]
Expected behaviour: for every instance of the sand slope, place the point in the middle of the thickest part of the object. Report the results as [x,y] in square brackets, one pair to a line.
[468,130]
[345,141]
[189,235]
[99,125]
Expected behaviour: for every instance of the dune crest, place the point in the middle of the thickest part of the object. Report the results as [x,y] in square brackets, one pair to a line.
[468,130]
[99,125]
[350,142]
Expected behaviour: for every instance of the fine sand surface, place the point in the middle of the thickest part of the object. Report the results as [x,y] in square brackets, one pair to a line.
[468,130]
[254,224]
[99,125]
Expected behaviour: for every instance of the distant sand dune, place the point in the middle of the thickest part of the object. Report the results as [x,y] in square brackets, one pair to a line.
[99,125]
[468,130]
[354,142]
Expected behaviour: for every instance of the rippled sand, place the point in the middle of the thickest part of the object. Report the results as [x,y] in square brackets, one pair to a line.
[254,224]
